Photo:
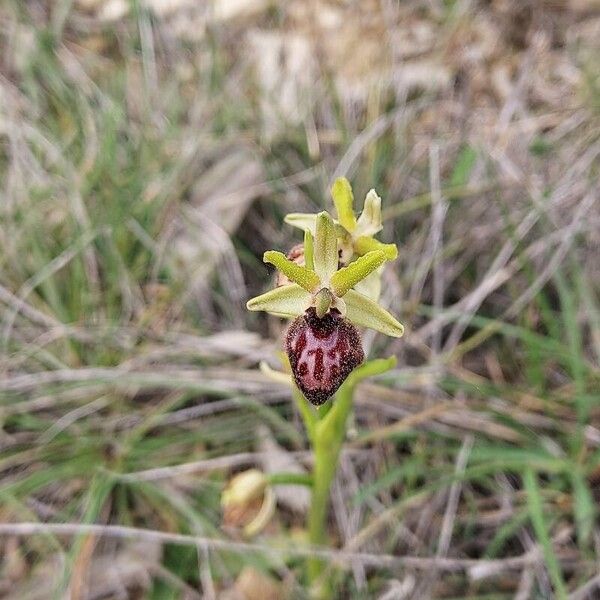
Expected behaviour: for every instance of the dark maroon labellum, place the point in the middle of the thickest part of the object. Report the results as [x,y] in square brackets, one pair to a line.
[322,352]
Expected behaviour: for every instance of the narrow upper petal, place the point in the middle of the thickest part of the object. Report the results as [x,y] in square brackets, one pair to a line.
[348,277]
[309,249]
[304,277]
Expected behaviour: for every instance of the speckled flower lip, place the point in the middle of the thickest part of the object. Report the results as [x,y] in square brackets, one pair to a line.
[322,353]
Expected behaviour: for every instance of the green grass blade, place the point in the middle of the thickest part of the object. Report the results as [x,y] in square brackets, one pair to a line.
[536,513]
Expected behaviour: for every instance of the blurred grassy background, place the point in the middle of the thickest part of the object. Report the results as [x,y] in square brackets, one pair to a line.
[148,153]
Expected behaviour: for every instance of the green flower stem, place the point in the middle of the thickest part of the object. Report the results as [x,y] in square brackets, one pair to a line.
[327,435]
[326,452]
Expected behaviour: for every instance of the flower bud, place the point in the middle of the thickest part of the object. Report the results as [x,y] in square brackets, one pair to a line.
[244,488]
[296,254]
[322,353]
[248,501]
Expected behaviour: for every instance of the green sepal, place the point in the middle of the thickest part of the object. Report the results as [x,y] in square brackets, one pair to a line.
[304,221]
[287,300]
[370,286]
[344,200]
[364,312]
[304,277]
[365,244]
[325,250]
[347,277]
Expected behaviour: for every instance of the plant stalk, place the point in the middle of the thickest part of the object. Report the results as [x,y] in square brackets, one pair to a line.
[326,431]
[326,450]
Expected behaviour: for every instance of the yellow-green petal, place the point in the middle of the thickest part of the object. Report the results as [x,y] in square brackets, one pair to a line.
[366,313]
[365,244]
[344,201]
[369,222]
[304,277]
[287,300]
[325,248]
[347,277]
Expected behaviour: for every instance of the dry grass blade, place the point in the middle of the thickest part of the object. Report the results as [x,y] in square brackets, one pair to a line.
[341,557]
